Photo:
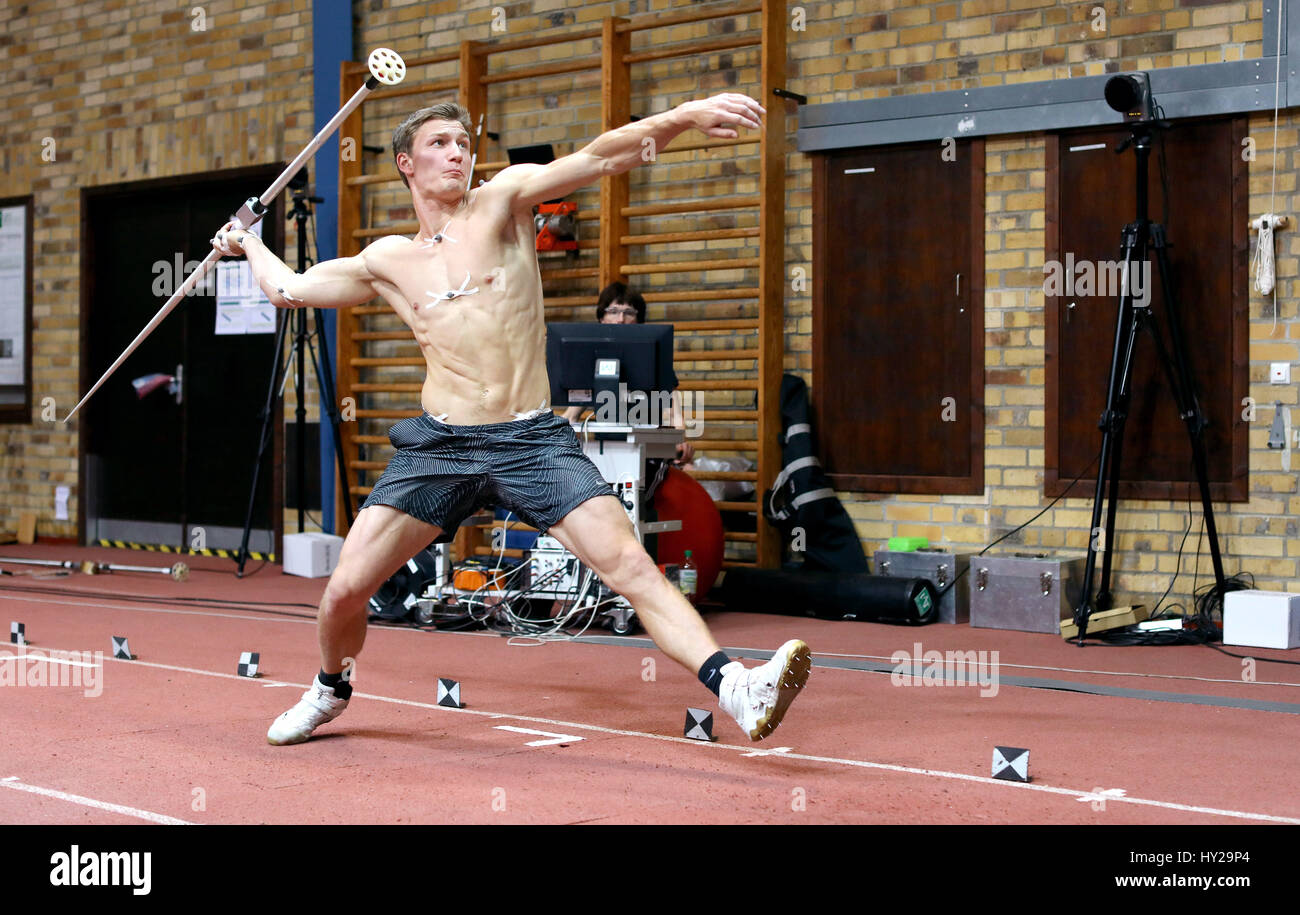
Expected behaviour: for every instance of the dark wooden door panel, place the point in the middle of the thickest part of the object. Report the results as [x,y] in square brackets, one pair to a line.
[896,370]
[159,461]
[1093,193]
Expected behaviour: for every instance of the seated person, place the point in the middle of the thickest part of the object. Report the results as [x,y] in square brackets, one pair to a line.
[619,305]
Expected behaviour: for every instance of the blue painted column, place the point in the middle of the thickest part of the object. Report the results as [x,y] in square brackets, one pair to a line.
[331,35]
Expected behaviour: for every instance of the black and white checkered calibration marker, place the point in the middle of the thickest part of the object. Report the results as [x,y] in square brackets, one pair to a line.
[17,634]
[121,651]
[449,693]
[248,664]
[1011,763]
[699,724]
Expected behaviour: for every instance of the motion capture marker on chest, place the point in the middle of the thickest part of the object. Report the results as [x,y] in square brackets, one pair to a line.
[451,293]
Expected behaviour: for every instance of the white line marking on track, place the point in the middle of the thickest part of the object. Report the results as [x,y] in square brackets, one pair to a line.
[855,763]
[46,659]
[1102,795]
[16,784]
[769,752]
[559,738]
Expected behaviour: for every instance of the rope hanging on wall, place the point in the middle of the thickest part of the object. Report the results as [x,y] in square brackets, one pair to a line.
[1263,262]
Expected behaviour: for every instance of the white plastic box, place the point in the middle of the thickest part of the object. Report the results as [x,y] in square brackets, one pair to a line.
[311,555]
[1261,619]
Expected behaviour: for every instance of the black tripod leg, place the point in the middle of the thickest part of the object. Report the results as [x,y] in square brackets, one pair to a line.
[281,323]
[1178,373]
[1107,546]
[1124,400]
[1112,425]
[329,402]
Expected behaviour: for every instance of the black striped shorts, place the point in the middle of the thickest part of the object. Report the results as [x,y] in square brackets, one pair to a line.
[442,474]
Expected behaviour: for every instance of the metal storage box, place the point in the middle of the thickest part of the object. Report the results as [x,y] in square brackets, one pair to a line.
[940,567]
[1031,592]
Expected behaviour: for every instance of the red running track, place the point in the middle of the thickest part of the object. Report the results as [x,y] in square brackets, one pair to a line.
[176,735]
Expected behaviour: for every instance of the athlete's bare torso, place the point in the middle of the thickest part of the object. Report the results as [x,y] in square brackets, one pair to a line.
[474,302]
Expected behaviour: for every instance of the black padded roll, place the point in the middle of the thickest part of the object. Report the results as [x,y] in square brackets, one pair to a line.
[832,595]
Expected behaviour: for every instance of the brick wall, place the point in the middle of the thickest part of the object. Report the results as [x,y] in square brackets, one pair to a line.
[127,91]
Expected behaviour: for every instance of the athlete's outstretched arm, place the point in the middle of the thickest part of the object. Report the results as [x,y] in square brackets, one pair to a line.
[622,149]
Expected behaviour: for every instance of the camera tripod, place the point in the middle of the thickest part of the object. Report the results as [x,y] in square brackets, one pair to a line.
[1139,239]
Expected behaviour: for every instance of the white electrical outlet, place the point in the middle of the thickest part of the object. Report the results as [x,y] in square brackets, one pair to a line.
[1279,373]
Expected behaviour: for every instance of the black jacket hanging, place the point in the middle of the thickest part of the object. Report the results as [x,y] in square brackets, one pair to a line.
[801,502]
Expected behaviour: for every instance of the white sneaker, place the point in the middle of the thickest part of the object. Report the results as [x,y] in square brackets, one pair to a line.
[317,706]
[757,698]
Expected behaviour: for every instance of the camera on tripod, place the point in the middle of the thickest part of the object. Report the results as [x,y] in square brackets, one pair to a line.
[1130,94]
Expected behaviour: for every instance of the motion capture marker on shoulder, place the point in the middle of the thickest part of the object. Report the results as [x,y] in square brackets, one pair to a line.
[449,693]
[1011,763]
[699,724]
[386,66]
[248,661]
[121,650]
[17,633]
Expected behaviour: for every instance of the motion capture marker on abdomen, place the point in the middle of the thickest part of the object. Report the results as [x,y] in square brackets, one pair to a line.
[17,634]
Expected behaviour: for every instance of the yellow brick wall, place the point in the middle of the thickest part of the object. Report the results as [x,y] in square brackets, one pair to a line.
[127,91]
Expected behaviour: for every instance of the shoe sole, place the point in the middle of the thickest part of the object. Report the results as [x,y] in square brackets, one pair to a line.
[289,742]
[798,664]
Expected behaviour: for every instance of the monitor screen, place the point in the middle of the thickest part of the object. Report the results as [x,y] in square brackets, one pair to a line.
[583,360]
[539,154]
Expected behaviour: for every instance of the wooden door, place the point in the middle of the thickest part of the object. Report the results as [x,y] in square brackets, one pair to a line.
[1091,197]
[898,317]
[155,468]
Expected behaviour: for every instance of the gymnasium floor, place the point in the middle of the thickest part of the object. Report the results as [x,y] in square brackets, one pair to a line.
[592,731]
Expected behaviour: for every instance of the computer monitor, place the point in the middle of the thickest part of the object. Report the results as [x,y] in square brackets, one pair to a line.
[538,154]
[624,372]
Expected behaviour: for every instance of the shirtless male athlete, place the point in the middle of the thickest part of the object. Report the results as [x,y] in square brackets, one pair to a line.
[469,287]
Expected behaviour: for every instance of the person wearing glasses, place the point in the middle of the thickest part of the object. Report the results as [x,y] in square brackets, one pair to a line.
[618,304]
